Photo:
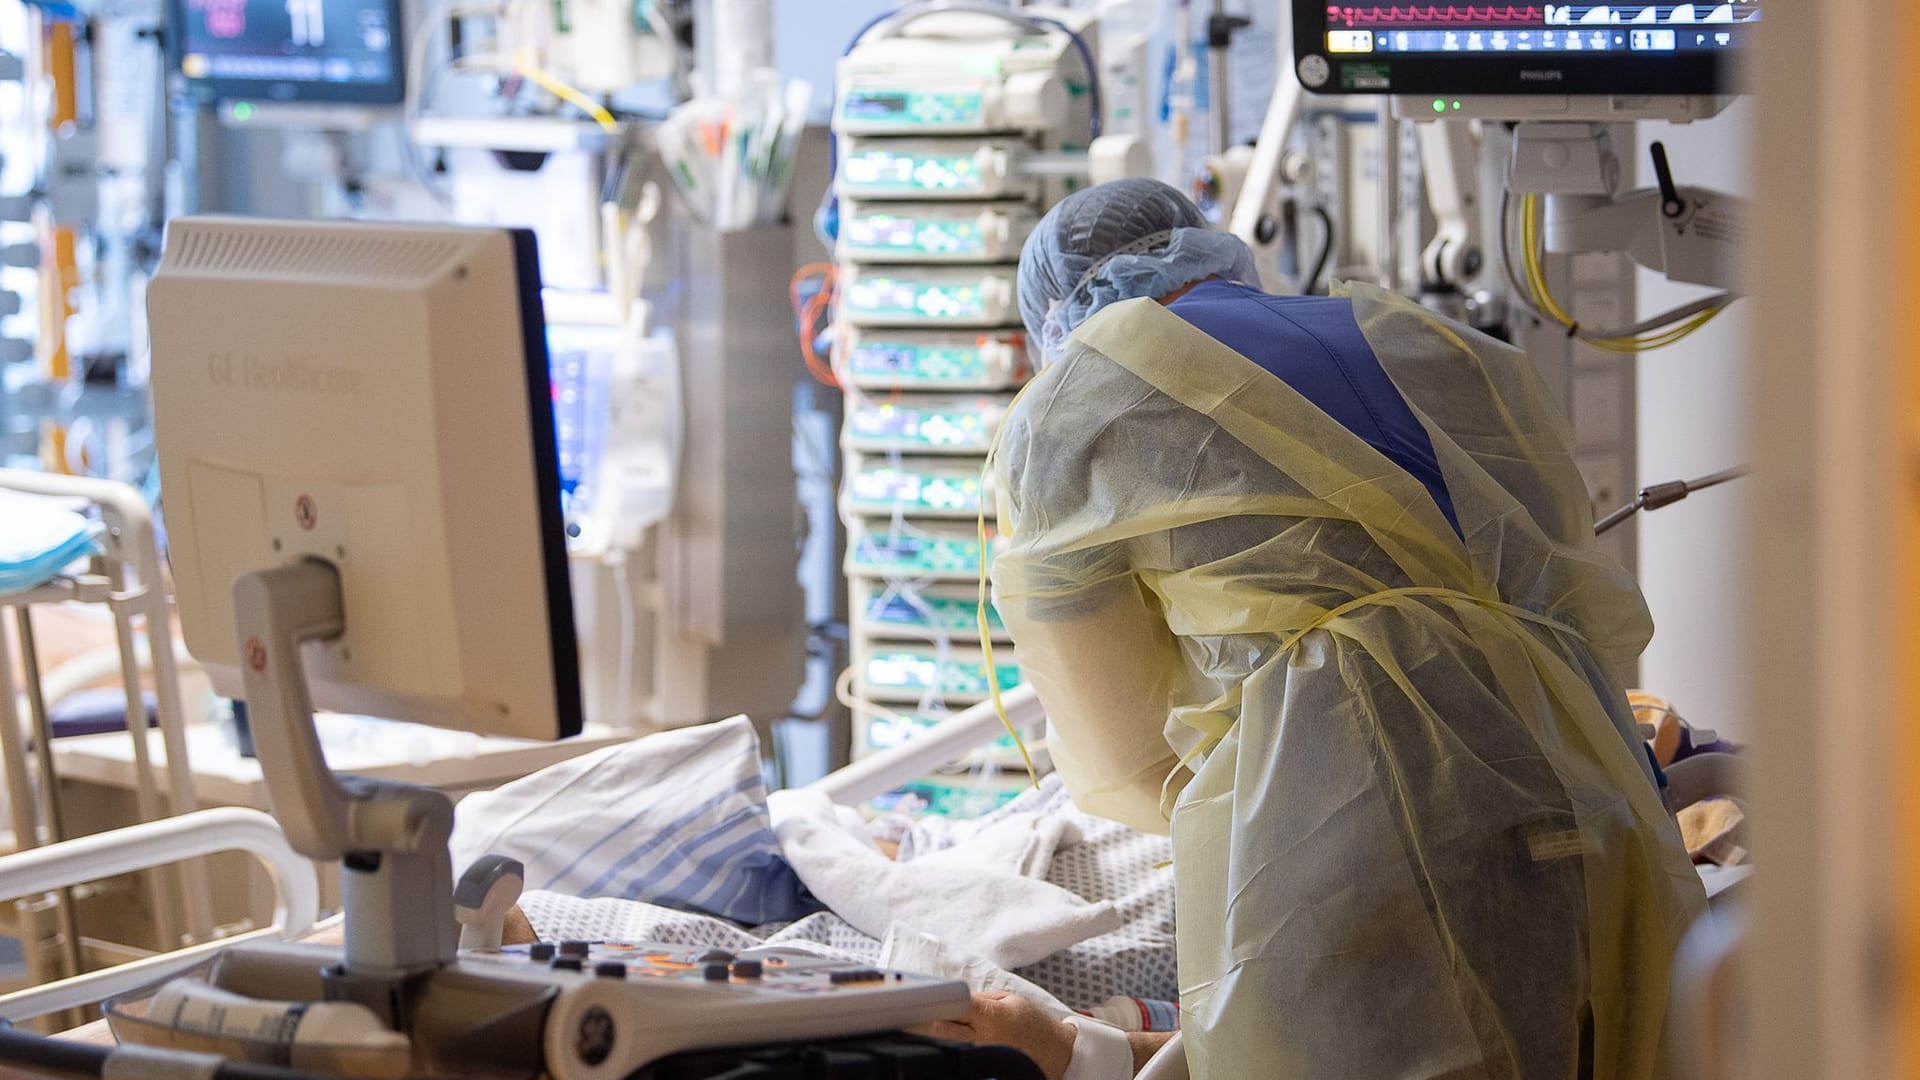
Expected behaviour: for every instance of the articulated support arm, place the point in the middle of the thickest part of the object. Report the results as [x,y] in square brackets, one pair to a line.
[391,839]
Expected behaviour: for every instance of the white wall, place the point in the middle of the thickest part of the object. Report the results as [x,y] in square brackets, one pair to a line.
[1692,421]
[809,36]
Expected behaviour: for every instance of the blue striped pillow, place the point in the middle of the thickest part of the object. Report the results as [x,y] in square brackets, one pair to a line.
[677,819]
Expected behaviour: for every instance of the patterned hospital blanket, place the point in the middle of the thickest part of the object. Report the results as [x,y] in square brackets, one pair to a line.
[578,833]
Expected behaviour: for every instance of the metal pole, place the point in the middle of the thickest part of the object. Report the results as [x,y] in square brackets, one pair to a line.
[1388,243]
[49,780]
[146,792]
[166,906]
[166,686]
[13,757]
[1220,131]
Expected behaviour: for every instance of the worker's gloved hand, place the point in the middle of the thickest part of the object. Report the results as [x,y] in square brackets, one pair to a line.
[1000,1018]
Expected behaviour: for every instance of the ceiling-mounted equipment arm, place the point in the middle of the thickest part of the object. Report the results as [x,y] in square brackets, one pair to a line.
[1690,234]
[1254,212]
[1449,161]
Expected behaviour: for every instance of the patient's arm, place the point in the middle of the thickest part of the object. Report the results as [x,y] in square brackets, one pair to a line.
[518,930]
[1145,1044]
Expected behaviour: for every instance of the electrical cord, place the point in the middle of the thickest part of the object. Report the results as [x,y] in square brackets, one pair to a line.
[898,1055]
[1533,294]
[809,315]
[1522,293]
[908,1057]
[984,598]
[1310,285]
[623,684]
[566,92]
[411,104]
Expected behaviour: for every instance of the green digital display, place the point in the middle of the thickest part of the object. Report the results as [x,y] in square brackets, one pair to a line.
[921,671]
[880,233]
[908,364]
[913,108]
[939,616]
[904,299]
[887,732]
[964,426]
[904,555]
[885,489]
[879,171]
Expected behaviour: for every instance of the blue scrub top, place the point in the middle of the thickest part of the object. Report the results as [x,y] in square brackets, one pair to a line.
[1314,345]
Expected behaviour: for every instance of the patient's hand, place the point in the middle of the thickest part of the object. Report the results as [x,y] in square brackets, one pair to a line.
[999,1018]
[518,930]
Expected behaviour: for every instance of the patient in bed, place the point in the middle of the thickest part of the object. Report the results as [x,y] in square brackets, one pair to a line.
[674,838]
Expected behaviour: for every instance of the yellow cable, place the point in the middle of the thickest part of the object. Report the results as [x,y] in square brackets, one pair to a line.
[1536,274]
[986,634]
[1536,281]
[986,643]
[1660,341]
[546,81]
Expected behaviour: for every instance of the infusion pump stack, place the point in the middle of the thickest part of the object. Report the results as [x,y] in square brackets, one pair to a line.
[955,131]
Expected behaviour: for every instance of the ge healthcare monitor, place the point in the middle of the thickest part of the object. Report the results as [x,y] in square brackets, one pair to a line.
[287,51]
[1627,49]
[376,399]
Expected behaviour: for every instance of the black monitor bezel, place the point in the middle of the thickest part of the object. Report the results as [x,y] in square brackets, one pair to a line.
[210,91]
[1695,74]
[569,704]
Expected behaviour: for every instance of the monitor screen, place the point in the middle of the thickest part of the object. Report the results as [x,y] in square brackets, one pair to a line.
[288,50]
[1369,47]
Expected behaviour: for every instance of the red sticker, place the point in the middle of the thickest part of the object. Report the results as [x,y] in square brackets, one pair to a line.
[305,512]
[256,654]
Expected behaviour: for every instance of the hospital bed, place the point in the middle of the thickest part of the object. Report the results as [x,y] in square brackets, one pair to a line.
[121,578]
[145,846]
[939,746]
[202,833]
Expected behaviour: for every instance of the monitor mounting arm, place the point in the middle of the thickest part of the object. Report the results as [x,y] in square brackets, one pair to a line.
[1690,234]
[1449,160]
[390,839]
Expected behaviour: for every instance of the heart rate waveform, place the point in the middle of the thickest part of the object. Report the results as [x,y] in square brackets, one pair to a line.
[1448,15]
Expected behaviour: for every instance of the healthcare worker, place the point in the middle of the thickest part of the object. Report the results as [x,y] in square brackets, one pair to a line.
[1311,583]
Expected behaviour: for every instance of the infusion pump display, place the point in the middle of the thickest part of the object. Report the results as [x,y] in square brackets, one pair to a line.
[1433,48]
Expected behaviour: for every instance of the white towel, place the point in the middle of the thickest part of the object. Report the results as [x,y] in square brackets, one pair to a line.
[1021,844]
[980,899]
